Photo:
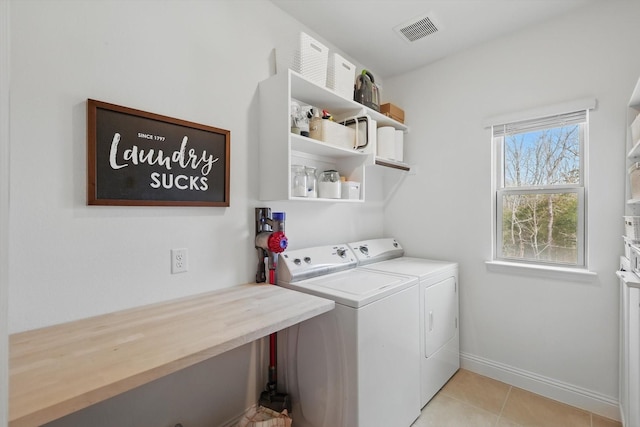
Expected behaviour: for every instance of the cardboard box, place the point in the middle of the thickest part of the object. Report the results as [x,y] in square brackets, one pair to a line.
[392,111]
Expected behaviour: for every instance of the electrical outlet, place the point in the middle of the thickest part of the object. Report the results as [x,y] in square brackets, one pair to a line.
[179,261]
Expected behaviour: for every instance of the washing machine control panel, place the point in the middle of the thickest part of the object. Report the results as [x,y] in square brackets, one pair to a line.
[299,264]
[375,250]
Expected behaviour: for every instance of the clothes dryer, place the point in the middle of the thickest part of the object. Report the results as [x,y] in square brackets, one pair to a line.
[356,365]
[438,317]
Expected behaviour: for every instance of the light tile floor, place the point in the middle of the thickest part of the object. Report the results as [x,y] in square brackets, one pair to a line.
[472,400]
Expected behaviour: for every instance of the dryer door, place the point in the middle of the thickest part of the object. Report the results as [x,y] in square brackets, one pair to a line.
[440,315]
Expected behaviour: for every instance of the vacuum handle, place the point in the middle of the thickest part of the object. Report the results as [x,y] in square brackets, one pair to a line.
[261,272]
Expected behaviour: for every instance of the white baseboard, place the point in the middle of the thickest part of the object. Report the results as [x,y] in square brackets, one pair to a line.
[579,397]
[234,421]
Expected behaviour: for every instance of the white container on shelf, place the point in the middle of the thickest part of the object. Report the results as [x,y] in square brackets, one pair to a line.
[306,56]
[332,133]
[329,185]
[329,190]
[399,146]
[298,181]
[386,137]
[632,227]
[341,76]
[350,190]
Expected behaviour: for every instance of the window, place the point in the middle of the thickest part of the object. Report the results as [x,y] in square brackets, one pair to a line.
[539,185]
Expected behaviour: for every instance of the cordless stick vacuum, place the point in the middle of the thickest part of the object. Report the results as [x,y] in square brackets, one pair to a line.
[270,241]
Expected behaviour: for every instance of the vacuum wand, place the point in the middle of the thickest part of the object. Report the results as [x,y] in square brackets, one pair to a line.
[270,241]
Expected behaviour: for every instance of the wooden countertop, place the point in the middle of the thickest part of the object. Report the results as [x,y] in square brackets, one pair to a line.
[60,369]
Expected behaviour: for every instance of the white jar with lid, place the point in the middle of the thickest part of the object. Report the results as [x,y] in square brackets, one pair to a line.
[329,185]
[298,181]
[312,182]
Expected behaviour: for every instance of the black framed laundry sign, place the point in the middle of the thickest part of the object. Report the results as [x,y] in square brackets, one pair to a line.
[145,159]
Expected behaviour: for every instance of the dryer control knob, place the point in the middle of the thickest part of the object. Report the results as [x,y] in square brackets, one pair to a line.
[364,250]
[297,261]
[307,260]
[341,252]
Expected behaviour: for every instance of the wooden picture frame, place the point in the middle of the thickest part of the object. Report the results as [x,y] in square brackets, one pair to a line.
[137,158]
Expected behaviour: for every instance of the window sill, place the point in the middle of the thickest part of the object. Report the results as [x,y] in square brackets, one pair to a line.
[543,271]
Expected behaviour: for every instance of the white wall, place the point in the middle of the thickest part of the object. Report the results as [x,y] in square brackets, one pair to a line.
[206,395]
[193,60]
[4,207]
[198,61]
[556,337]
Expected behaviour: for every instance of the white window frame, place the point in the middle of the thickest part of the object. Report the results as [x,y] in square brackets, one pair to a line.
[499,263]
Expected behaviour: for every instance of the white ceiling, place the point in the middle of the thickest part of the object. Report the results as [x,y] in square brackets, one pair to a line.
[364,29]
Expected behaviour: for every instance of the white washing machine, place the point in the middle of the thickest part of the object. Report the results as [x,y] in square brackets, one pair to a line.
[356,365]
[438,283]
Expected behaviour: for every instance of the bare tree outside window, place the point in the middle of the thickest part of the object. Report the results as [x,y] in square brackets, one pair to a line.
[539,201]
[542,158]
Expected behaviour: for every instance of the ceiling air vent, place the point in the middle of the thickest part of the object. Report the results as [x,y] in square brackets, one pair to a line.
[417,28]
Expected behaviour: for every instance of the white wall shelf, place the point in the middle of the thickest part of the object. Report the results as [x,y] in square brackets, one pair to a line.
[280,148]
[306,91]
[633,150]
[394,164]
[319,148]
[629,368]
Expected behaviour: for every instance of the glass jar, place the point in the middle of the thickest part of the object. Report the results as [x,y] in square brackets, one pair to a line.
[312,181]
[298,181]
[329,186]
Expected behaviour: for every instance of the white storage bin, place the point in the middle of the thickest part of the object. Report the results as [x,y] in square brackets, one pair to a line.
[351,190]
[634,180]
[635,129]
[341,76]
[386,141]
[332,133]
[307,56]
[632,227]
[399,148]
